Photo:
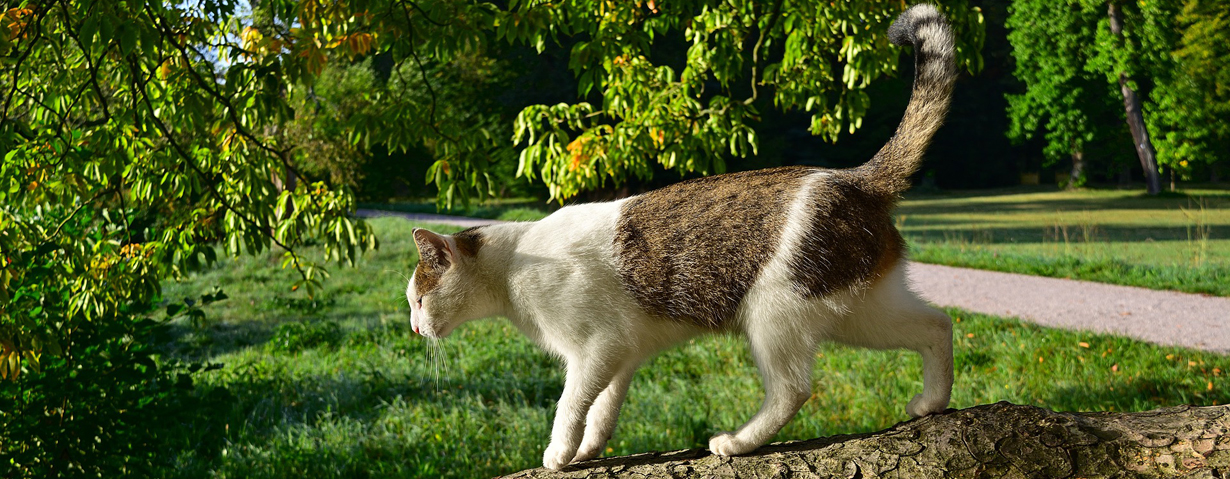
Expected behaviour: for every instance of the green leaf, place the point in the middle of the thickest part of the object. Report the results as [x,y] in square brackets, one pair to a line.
[128,38]
[89,28]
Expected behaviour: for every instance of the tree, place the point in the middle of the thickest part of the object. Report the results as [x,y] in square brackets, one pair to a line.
[1062,98]
[1120,67]
[996,440]
[1060,54]
[134,139]
[1194,102]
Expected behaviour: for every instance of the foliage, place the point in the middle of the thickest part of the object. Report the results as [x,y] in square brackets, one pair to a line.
[1070,105]
[101,409]
[134,137]
[688,114]
[1195,101]
[1071,63]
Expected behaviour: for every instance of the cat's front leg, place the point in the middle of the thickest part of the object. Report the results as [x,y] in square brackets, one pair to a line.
[604,414]
[583,383]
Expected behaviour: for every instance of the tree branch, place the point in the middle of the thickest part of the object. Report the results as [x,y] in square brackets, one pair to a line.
[207,86]
[426,81]
[423,12]
[995,440]
[179,149]
[38,30]
[102,100]
[776,14]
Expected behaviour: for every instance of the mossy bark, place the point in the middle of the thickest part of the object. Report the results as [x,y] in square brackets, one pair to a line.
[996,440]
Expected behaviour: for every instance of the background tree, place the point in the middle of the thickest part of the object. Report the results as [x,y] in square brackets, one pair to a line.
[1069,104]
[1132,45]
[1193,104]
[1131,54]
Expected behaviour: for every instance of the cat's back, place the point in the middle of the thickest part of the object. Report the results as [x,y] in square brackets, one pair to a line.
[691,251]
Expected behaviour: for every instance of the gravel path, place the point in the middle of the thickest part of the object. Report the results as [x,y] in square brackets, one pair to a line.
[1162,317]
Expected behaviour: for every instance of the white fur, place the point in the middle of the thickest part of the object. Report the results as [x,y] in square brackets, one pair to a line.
[557,281]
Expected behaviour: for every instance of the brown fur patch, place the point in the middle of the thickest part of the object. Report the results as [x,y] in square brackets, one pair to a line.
[850,241]
[426,277]
[433,260]
[691,251]
[469,241]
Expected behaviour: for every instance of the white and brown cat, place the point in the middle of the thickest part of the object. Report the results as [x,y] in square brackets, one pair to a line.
[789,257]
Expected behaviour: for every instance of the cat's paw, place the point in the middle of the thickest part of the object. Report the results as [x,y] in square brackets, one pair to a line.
[587,451]
[727,444]
[557,456]
[919,407]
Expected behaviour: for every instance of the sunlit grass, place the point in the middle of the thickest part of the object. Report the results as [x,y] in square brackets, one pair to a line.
[299,397]
[1175,241]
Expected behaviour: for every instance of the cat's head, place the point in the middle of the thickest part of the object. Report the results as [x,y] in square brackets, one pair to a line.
[444,291]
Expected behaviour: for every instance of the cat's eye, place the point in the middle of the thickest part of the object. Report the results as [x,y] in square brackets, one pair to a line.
[420,301]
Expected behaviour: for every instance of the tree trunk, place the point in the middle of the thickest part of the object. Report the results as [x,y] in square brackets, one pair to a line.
[995,440]
[1077,177]
[1136,119]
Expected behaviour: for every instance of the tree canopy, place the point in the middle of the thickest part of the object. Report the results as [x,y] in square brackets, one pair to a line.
[1071,55]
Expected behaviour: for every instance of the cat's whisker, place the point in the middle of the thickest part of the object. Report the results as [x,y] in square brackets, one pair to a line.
[403,275]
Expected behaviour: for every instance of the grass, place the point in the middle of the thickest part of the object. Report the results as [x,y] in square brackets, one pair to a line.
[1172,242]
[510,209]
[339,387]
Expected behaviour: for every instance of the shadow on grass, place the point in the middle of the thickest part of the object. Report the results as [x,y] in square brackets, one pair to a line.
[1132,393]
[941,229]
[958,202]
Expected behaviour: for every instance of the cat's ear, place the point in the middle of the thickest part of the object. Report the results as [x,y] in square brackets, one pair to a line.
[434,249]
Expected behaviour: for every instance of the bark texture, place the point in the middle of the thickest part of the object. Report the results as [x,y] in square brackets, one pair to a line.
[996,440]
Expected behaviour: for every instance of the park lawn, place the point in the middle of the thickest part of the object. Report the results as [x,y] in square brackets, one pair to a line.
[1172,242]
[339,387]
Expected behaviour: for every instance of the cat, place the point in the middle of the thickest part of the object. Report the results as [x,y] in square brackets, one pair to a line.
[788,256]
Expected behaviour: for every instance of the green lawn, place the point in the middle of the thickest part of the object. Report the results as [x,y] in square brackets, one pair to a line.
[339,386]
[1175,241]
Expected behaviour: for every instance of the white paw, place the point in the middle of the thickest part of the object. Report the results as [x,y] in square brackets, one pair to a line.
[557,456]
[727,444]
[919,407]
[587,451]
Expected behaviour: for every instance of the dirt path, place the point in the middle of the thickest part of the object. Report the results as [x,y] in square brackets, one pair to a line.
[1162,317]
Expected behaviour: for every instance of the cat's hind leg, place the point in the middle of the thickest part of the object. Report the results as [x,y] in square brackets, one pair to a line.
[604,414]
[784,356]
[890,316]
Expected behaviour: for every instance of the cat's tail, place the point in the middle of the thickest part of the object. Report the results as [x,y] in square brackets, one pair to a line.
[927,30]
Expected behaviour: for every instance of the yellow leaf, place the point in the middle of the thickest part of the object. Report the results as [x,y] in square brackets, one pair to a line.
[165,70]
[32,360]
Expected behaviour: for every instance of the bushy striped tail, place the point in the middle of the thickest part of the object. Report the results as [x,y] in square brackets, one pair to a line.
[927,30]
